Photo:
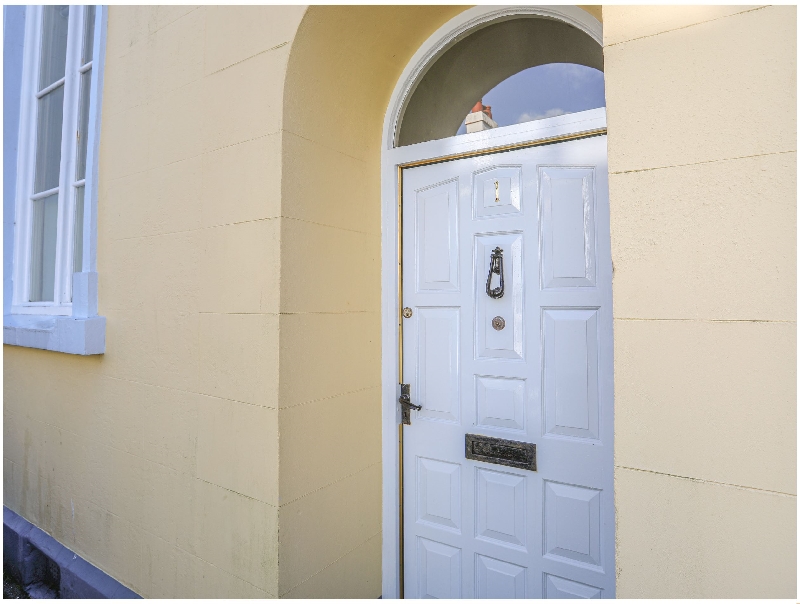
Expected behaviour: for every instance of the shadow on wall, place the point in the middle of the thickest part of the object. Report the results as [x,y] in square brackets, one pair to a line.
[343,66]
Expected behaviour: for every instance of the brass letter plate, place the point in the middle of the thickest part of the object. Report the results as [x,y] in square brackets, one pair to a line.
[500,451]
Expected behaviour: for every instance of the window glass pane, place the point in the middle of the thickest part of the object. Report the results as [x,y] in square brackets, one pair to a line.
[43,249]
[54,44]
[48,140]
[77,245]
[88,34]
[83,125]
[537,93]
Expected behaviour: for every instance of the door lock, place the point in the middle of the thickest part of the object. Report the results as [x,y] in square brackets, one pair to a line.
[405,403]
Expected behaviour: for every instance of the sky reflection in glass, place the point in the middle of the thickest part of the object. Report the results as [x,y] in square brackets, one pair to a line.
[544,91]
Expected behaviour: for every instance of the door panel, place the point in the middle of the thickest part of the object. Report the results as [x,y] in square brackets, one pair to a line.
[437,237]
[501,403]
[561,588]
[437,368]
[439,493]
[572,522]
[476,529]
[439,569]
[496,191]
[498,579]
[500,507]
[570,372]
[508,342]
[567,204]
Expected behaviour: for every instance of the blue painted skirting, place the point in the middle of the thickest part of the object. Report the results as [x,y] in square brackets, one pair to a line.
[36,558]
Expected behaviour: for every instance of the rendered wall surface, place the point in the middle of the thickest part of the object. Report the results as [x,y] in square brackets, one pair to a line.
[702,160]
[158,461]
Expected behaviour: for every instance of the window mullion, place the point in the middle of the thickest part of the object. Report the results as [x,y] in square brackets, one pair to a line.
[95,96]
[67,169]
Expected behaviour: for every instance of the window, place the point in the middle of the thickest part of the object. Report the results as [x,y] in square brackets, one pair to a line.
[56,178]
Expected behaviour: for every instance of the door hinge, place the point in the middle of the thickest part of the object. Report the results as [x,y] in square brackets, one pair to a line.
[405,404]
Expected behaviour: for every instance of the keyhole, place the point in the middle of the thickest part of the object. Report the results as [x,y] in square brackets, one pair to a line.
[496,191]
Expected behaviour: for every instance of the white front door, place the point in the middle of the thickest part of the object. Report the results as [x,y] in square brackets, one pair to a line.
[531,366]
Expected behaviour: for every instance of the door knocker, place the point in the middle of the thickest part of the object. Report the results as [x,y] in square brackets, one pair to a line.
[496,267]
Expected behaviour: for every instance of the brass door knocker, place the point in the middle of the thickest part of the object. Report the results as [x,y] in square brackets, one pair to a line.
[496,267]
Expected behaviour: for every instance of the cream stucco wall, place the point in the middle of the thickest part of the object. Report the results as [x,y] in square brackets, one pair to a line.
[238,253]
[158,461]
[702,161]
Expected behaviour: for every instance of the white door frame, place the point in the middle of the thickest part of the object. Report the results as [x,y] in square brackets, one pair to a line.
[392,161]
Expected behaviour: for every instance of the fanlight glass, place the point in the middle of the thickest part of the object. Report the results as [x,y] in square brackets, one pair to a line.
[544,91]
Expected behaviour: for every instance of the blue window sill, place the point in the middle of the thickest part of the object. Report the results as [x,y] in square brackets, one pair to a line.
[73,335]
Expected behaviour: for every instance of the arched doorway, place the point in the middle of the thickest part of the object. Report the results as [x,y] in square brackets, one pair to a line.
[348,73]
[504,454]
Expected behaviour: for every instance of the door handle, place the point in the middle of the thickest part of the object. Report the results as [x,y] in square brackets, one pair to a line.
[406,404]
[495,267]
[405,400]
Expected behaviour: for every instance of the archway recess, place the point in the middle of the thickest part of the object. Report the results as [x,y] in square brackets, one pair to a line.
[340,89]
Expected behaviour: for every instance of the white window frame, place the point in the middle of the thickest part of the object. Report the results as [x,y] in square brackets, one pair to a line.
[69,323]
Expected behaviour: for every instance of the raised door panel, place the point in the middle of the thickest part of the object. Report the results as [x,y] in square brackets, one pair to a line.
[498,579]
[572,523]
[437,346]
[438,569]
[439,494]
[567,227]
[437,238]
[500,507]
[500,402]
[559,588]
[507,342]
[569,373]
[496,192]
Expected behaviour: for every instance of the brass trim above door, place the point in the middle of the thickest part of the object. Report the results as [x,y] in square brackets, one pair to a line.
[551,140]
[416,164]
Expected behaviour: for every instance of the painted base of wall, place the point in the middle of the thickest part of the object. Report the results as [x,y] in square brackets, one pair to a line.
[43,565]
